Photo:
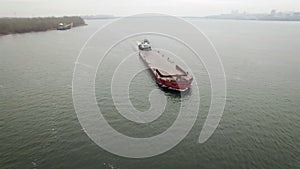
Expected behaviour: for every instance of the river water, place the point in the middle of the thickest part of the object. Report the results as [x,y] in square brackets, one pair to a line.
[260,127]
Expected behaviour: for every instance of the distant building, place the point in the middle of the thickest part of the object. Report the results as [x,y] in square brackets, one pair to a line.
[273,12]
[296,13]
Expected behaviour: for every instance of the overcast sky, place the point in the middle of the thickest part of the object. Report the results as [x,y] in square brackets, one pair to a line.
[129,7]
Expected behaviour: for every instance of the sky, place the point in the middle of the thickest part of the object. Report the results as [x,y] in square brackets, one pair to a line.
[35,8]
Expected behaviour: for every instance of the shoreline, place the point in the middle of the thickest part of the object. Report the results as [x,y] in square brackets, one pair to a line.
[9,26]
[36,31]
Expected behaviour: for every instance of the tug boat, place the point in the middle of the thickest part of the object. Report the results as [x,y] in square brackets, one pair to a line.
[163,69]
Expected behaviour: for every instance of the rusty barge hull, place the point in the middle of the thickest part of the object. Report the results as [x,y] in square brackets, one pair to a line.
[165,72]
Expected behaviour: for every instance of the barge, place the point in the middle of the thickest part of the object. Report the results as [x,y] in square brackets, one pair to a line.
[163,69]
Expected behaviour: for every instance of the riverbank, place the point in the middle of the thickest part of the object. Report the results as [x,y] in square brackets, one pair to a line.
[24,25]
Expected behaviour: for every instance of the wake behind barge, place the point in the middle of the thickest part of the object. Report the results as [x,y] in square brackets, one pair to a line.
[164,71]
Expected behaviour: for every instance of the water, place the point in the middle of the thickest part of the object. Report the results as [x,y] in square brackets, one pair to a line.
[259,129]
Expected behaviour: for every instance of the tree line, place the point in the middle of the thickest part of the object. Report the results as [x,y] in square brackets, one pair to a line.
[23,25]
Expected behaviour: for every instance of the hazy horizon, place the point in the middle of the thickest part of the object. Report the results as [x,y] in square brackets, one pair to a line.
[35,8]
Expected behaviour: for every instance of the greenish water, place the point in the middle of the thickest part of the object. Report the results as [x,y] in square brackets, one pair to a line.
[260,127]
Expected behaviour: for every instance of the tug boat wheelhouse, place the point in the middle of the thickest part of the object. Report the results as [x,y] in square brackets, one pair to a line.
[164,71]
